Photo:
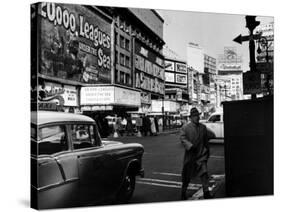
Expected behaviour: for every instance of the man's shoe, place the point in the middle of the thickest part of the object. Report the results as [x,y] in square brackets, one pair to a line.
[208,195]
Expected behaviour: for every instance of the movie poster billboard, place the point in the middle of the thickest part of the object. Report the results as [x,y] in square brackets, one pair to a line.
[169,65]
[74,43]
[180,67]
[181,78]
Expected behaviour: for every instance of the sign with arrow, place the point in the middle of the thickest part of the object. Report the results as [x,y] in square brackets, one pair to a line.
[239,39]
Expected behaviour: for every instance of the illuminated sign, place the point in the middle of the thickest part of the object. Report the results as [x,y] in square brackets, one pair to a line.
[108,95]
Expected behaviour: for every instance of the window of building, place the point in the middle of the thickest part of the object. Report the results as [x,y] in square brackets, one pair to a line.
[116,57]
[83,136]
[127,79]
[122,77]
[122,24]
[116,38]
[127,61]
[122,41]
[116,77]
[52,139]
[127,44]
[122,59]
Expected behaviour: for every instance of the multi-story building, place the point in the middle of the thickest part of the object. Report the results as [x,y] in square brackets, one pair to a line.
[210,69]
[176,83]
[202,68]
[104,59]
[138,60]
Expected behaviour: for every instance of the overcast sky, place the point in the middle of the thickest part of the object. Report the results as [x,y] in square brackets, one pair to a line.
[212,31]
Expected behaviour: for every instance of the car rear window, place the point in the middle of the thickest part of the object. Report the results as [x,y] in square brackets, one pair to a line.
[52,139]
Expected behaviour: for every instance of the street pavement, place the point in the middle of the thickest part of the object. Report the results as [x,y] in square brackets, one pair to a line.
[162,162]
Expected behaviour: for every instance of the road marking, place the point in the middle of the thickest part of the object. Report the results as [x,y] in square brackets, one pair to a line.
[167,183]
[197,195]
[158,184]
[166,173]
[217,176]
[217,157]
[175,184]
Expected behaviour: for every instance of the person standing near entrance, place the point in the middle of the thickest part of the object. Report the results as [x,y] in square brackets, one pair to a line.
[194,136]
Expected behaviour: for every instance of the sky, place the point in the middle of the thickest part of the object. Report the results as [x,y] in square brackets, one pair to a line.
[212,31]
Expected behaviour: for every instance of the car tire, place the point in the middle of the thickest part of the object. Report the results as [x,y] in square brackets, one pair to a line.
[127,189]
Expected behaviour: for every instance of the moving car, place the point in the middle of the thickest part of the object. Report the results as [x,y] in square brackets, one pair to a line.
[72,166]
[215,124]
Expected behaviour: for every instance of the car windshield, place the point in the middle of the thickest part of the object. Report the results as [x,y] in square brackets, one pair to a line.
[214,118]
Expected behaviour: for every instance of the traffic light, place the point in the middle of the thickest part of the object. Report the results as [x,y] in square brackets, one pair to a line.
[251,22]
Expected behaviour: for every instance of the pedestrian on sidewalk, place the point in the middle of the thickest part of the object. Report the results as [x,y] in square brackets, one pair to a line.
[146,125]
[194,136]
[156,124]
[129,126]
[152,126]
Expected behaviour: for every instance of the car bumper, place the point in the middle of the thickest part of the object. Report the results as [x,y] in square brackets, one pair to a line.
[141,173]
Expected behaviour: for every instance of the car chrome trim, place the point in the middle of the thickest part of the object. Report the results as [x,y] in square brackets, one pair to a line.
[56,184]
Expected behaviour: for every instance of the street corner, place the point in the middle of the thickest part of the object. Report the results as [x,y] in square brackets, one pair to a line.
[217,183]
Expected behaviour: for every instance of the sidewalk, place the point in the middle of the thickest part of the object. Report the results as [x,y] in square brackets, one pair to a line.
[167,131]
[219,191]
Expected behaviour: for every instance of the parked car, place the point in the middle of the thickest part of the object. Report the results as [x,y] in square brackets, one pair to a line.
[72,166]
[215,124]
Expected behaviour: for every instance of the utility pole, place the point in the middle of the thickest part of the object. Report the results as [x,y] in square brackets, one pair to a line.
[251,24]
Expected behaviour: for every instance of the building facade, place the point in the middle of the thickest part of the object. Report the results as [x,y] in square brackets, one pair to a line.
[97,59]
[138,59]
[176,84]
[68,53]
[210,69]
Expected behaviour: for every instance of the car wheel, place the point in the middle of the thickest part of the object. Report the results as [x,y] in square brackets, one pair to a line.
[127,189]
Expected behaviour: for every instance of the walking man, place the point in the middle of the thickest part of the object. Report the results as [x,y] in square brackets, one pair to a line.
[194,137]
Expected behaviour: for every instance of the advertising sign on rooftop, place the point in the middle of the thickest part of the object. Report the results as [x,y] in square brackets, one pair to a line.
[75,43]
